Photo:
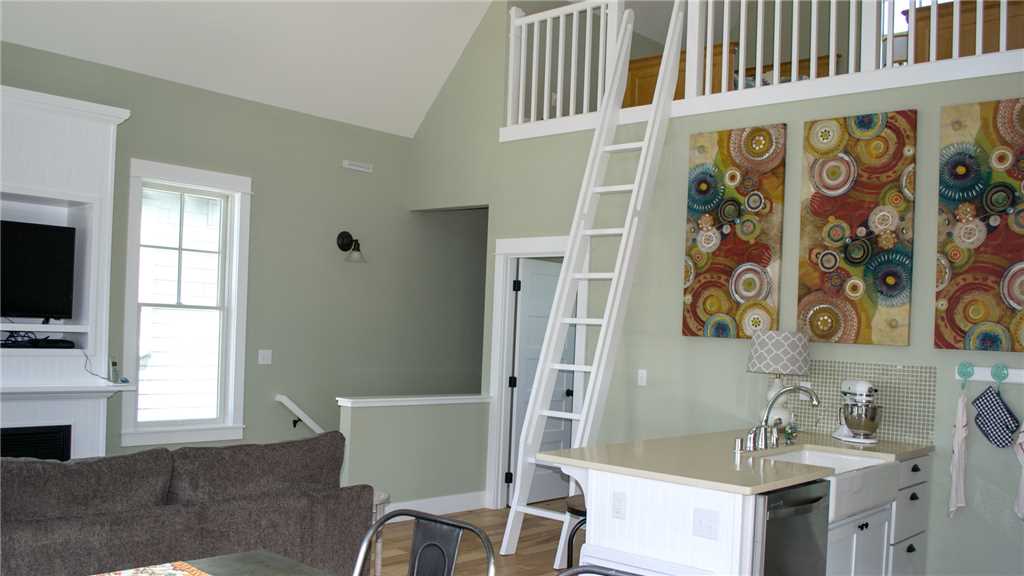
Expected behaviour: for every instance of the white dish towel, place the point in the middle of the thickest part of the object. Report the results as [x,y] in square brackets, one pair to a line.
[1018,448]
[958,464]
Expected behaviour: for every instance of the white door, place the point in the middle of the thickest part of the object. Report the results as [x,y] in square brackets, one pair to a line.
[538,279]
[858,547]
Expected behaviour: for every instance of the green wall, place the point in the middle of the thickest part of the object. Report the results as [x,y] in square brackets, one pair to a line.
[696,384]
[415,452]
[407,322]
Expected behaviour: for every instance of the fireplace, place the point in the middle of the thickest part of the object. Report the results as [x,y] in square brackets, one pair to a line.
[44,442]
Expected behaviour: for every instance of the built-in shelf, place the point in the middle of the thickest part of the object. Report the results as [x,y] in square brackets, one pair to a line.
[21,327]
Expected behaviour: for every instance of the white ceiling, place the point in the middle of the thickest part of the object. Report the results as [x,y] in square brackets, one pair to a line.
[378,64]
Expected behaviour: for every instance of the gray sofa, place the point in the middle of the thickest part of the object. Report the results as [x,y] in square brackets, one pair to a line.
[103,514]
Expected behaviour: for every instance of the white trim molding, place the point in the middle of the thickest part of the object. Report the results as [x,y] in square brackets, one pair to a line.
[391,401]
[443,504]
[237,190]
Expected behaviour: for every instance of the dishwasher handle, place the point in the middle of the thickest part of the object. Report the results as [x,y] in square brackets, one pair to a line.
[796,509]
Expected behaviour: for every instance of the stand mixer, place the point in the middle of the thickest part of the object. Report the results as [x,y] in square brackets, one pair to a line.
[858,415]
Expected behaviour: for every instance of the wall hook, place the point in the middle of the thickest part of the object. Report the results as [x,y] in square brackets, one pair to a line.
[965,371]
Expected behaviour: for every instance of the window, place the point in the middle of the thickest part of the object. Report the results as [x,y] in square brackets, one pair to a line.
[184,337]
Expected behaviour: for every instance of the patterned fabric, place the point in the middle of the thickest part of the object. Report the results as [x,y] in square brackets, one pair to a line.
[170,569]
[995,419]
[777,352]
[857,229]
[979,279]
[734,206]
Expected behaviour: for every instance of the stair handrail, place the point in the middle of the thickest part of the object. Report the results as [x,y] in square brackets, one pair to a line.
[300,414]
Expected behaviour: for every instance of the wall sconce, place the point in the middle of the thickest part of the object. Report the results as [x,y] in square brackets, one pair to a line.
[348,243]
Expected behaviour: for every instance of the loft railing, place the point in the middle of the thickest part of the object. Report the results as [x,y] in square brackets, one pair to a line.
[741,53]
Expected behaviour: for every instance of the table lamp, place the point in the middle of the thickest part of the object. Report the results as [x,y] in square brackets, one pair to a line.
[779,354]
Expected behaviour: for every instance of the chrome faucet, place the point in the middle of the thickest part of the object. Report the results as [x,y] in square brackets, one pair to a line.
[765,435]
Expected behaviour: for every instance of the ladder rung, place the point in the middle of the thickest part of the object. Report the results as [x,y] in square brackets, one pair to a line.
[583,321]
[593,275]
[624,147]
[543,512]
[573,367]
[604,232]
[562,415]
[613,189]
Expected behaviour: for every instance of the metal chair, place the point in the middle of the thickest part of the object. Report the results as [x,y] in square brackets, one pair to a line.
[576,506]
[435,544]
[595,571]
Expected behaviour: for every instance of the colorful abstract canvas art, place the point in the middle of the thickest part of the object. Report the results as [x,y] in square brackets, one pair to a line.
[734,207]
[979,275]
[857,228]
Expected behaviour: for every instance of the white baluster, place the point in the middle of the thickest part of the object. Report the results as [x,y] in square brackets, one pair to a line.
[759,54]
[709,51]
[726,51]
[561,65]
[777,38]
[851,54]
[695,40]
[869,35]
[833,12]
[586,60]
[547,69]
[933,24]
[979,22]
[572,64]
[912,33]
[601,51]
[533,73]
[514,40]
[814,39]
[742,64]
[956,29]
[1003,20]
[890,43]
[523,35]
[794,58]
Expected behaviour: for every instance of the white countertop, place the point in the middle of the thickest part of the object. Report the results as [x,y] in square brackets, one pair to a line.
[708,460]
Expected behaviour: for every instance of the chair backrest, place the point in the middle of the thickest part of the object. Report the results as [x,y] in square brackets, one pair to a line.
[435,544]
[595,571]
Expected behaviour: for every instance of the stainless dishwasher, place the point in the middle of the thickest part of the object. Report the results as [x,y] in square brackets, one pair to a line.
[793,525]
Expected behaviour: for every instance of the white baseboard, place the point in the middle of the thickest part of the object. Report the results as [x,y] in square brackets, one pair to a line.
[444,504]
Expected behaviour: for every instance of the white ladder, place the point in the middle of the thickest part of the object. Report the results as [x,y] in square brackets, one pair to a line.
[575,270]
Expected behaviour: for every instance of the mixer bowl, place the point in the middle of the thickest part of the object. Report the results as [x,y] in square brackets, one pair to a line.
[860,419]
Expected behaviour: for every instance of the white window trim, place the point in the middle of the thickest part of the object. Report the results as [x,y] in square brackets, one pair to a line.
[230,425]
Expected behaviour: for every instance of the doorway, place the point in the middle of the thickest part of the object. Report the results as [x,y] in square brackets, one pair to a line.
[526,278]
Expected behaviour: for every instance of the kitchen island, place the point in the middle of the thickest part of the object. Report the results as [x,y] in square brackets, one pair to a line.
[691,505]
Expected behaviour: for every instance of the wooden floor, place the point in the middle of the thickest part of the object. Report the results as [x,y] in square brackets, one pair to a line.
[535,556]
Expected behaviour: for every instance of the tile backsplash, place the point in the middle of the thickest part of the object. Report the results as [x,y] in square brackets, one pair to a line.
[905,393]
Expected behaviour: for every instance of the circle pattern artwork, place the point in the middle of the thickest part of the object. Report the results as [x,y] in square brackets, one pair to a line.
[1012,286]
[705,192]
[688,271]
[755,316]
[828,319]
[883,218]
[1010,121]
[857,251]
[1017,331]
[835,232]
[720,326]
[998,198]
[754,202]
[866,126]
[854,288]
[970,234]
[733,177]
[758,149]
[729,211]
[826,137]
[1016,220]
[964,172]
[908,181]
[989,337]
[748,227]
[709,240]
[894,198]
[750,282]
[943,272]
[1001,158]
[834,176]
[828,260]
[959,257]
[888,276]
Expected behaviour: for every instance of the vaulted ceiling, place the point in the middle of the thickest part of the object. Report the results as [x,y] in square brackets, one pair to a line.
[377,64]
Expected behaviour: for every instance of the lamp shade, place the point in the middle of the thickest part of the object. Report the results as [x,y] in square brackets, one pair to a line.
[777,352]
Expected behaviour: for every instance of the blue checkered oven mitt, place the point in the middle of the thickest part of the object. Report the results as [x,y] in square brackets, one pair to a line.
[995,419]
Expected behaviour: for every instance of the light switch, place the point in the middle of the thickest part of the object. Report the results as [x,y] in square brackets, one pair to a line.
[265,357]
[619,505]
[641,377]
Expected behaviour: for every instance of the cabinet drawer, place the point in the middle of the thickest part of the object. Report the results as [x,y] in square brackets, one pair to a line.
[910,512]
[915,471]
[907,558]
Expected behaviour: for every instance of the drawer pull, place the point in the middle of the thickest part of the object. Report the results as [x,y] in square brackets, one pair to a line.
[911,549]
[914,496]
[915,468]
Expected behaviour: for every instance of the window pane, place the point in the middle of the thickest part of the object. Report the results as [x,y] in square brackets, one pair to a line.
[201,230]
[199,278]
[158,275]
[160,213]
[179,364]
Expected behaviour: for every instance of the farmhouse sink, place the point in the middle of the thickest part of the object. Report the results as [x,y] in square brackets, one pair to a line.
[858,483]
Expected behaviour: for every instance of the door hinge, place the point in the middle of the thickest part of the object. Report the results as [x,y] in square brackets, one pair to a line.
[512,381]
[508,477]
[517,285]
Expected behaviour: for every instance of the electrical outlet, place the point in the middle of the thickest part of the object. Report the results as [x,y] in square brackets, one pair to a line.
[619,505]
[265,357]
[641,377]
[705,523]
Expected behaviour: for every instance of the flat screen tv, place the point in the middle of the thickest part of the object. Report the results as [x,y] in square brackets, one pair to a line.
[37,270]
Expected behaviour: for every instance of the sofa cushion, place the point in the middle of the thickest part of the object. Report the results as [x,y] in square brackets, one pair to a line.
[205,474]
[37,489]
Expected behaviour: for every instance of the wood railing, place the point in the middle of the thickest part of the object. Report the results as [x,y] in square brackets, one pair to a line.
[558,59]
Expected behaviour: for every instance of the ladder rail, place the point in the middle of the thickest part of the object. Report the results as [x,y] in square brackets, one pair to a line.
[572,262]
[607,343]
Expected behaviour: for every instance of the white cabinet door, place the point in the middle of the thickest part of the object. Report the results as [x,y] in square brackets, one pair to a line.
[858,546]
